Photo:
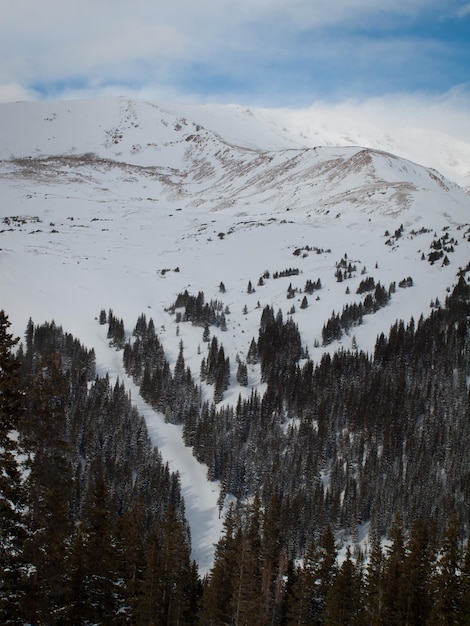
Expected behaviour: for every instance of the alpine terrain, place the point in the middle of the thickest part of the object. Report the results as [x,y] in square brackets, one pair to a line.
[241,390]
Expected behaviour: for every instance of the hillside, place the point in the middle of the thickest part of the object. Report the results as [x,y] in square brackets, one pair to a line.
[115,174]
[124,205]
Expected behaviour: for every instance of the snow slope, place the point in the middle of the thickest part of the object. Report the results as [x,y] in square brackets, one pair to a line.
[123,204]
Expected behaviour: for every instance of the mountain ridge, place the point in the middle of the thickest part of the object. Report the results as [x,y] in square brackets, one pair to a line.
[88,152]
[191,156]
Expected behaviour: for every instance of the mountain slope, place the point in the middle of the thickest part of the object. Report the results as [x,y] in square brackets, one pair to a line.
[134,176]
[124,205]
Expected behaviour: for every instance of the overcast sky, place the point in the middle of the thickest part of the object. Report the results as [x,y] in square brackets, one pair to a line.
[266,52]
[270,53]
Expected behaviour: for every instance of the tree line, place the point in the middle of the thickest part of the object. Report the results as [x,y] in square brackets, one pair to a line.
[346,441]
[421,577]
[92,525]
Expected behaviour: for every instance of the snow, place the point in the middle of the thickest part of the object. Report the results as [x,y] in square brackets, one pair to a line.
[157,213]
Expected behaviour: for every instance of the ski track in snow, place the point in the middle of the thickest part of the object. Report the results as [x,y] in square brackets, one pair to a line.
[200,495]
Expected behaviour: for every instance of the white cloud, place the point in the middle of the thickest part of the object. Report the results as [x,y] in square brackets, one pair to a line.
[93,47]
[433,131]
[464,10]
[13,92]
[51,39]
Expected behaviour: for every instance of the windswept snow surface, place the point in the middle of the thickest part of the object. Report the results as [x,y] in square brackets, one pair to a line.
[124,205]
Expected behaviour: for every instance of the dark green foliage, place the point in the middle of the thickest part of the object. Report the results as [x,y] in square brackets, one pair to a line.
[327,446]
[103,317]
[13,526]
[219,589]
[358,419]
[406,282]
[343,604]
[311,286]
[279,343]
[199,312]
[367,284]
[174,394]
[96,494]
[116,334]
[394,609]
[291,271]
[242,374]
[419,568]
[447,582]
[352,314]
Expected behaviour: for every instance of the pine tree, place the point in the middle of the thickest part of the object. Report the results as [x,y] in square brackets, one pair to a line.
[130,537]
[176,589]
[247,598]
[273,562]
[343,601]
[307,596]
[98,591]
[420,563]
[76,600]
[13,530]
[300,598]
[219,589]
[394,579]
[372,583]
[50,488]
[465,585]
[324,570]
[242,374]
[447,584]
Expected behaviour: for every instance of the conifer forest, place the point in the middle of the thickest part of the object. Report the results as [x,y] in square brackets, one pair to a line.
[93,527]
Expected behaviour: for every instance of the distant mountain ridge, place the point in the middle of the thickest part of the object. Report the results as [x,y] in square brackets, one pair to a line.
[184,160]
[139,125]
[107,159]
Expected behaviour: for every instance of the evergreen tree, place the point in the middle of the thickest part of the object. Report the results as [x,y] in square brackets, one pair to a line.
[420,564]
[273,562]
[76,605]
[130,537]
[372,584]
[242,374]
[219,590]
[247,598]
[343,603]
[169,580]
[13,530]
[447,583]
[465,586]
[394,579]
[300,597]
[99,588]
[50,487]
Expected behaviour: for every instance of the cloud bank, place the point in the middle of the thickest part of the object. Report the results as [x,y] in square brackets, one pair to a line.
[267,51]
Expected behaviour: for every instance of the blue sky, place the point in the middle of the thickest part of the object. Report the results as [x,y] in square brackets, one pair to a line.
[357,68]
[267,52]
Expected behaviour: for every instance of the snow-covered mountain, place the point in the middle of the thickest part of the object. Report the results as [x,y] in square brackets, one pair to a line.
[123,204]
